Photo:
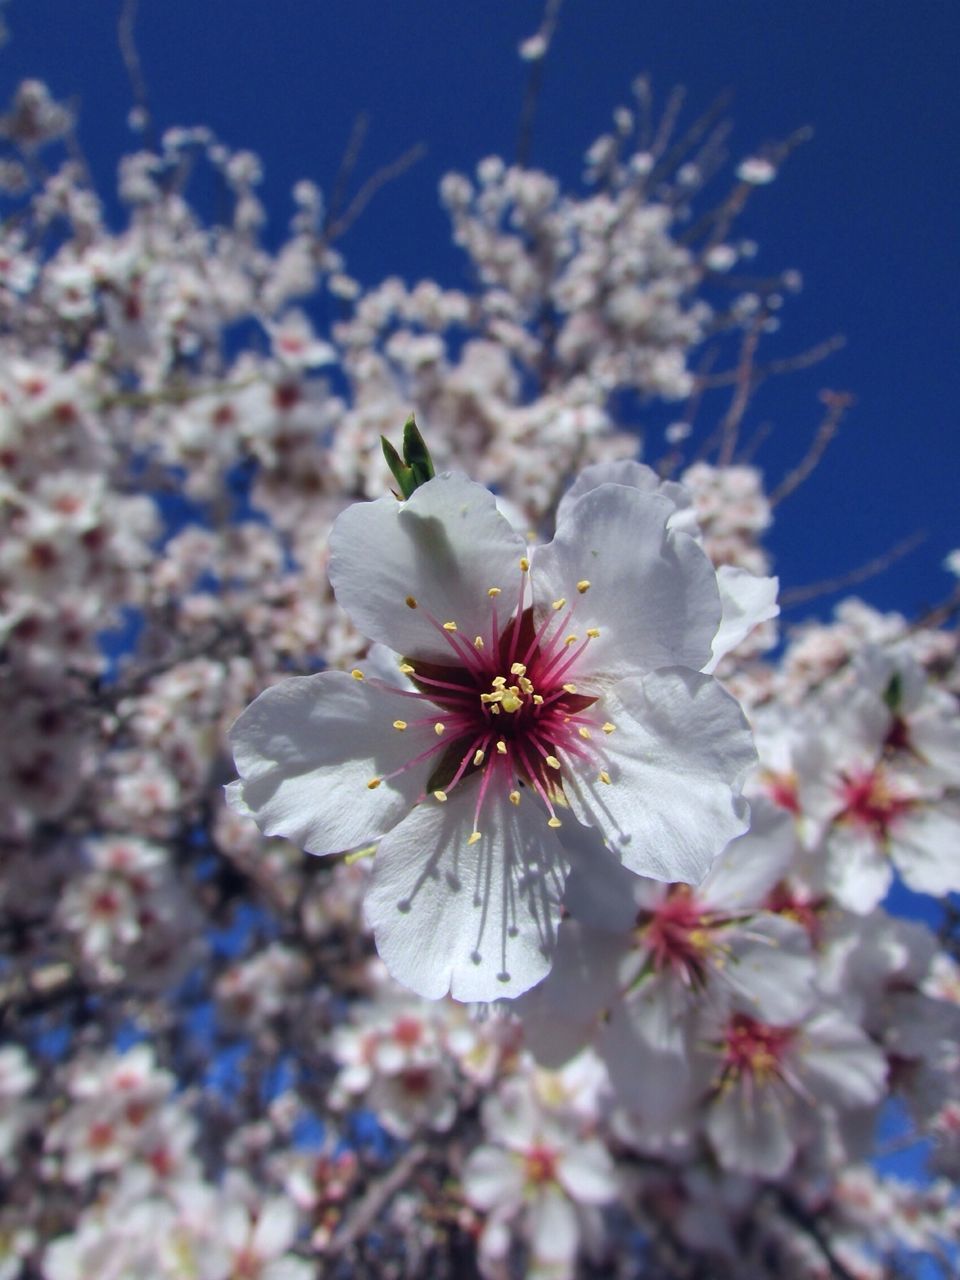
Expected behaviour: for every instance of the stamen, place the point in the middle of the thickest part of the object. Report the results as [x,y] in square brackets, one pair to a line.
[501,747]
[604,776]
[474,837]
[449,626]
[554,822]
[524,563]
[570,639]
[569,688]
[558,604]
[439,728]
[583,585]
[608,727]
[410,602]
[440,795]
[373,784]
[584,732]
[478,757]
[406,668]
[400,724]
[514,797]
[518,669]
[357,673]
[552,761]
[493,591]
[593,632]
[478,642]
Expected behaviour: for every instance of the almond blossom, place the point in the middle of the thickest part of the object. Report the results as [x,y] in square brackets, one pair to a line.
[534,690]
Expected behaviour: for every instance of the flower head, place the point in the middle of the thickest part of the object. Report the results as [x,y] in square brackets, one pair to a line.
[537,688]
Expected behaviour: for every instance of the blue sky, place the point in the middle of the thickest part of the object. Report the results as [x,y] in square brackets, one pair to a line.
[867,210]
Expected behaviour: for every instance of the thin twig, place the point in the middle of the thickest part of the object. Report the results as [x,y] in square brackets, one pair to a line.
[837,402]
[348,164]
[798,1215]
[730,427]
[786,364]
[366,1212]
[828,586]
[131,60]
[531,96]
[371,187]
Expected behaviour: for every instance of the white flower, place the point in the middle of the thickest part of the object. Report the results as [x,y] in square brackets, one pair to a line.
[566,680]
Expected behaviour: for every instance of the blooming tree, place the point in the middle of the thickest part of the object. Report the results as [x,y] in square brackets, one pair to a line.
[595,976]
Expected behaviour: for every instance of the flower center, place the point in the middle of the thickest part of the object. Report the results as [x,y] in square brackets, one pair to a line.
[504,709]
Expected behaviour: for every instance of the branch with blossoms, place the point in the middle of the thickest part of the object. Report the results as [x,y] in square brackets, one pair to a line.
[594,972]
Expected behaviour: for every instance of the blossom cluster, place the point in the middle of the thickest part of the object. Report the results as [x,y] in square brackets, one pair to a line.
[602,971]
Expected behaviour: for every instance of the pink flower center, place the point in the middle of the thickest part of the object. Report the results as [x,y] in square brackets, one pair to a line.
[678,935]
[754,1049]
[540,1165]
[871,802]
[506,708]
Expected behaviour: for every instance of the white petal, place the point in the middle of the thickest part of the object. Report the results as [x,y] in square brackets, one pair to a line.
[276,1228]
[749,1129]
[600,890]
[444,547]
[750,866]
[653,593]
[586,1173]
[676,759]
[552,1223]
[926,848]
[839,1063]
[306,749]
[858,871]
[560,1014]
[746,601]
[476,919]
[492,1176]
[769,966]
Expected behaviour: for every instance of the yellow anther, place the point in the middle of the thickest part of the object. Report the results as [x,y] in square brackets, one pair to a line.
[608,727]
[440,795]
[604,776]
[569,688]
[584,732]
[526,684]
[538,699]
[583,585]
[406,668]
[357,673]
[558,604]
[495,709]
[511,700]
[570,639]
[499,682]
[554,822]
[449,626]
[593,632]
[439,728]
[524,563]
[493,591]
[518,669]
[478,642]
[411,602]
[501,747]
[514,797]
[400,724]
[373,784]
[474,837]
[478,757]
[552,761]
